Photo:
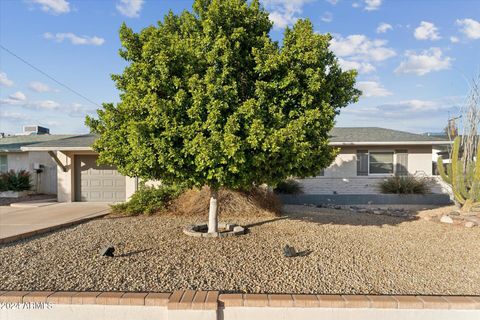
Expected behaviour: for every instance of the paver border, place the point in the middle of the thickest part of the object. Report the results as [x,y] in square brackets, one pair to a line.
[214,300]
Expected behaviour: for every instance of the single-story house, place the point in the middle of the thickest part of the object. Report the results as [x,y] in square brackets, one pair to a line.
[366,156]
[369,155]
[41,166]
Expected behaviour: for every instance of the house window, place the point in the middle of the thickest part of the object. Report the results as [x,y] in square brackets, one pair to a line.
[362,163]
[3,163]
[380,163]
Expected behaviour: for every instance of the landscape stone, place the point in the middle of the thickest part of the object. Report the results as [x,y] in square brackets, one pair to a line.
[470,224]
[446,219]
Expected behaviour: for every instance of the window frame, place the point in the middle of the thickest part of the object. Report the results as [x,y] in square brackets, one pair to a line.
[394,162]
[6,163]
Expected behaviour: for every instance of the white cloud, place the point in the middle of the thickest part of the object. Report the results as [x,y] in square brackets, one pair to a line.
[284,13]
[4,81]
[130,8]
[470,27]
[355,4]
[45,104]
[332,2]
[372,89]
[407,115]
[454,39]
[53,6]
[74,39]
[18,96]
[371,5]
[425,62]
[80,110]
[15,116]
[327,17]
[405,108]
[359,52]
[360,47]
[384,27]
[361,67]
[38,86]
[25,103]
[426,31]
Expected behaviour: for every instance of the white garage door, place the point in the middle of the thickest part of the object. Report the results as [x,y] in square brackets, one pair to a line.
[96,183]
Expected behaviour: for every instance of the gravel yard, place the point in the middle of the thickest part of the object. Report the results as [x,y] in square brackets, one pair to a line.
[345,253]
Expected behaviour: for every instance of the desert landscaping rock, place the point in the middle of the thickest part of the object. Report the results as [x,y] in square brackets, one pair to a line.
[470,224]
[350,253]
[446,219]
[200,230]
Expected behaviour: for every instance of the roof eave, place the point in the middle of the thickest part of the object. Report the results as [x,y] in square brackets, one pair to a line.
[10,150]
[57,149]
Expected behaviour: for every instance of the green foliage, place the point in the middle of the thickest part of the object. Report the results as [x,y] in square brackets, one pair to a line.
[289,186]
[464,178]
[208,98]
[148,200]
[15,180]
[405,185]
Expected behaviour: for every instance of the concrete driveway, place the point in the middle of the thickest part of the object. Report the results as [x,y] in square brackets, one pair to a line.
[20,222]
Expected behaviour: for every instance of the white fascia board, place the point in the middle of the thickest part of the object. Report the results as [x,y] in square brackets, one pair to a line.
[56,149]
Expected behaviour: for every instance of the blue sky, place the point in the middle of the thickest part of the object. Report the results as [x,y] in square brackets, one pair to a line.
[414,58]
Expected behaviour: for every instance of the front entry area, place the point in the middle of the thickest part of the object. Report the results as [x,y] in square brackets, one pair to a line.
[94,183]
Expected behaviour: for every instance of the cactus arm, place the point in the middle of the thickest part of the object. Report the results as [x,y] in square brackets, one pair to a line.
[457,174]
[441,169]
[475,189]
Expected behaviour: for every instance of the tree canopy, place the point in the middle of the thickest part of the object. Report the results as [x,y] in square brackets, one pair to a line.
[208,98]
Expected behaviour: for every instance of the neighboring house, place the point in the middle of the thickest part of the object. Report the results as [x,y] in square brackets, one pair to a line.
[369,155]
[366,156]
[41,166]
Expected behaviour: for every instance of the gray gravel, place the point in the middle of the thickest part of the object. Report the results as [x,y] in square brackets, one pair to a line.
[351,253]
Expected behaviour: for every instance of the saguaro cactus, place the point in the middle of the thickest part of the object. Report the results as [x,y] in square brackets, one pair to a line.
[464,178]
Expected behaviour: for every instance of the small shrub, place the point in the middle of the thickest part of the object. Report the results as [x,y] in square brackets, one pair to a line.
[405,185]
[15,180]
[289,186]
[148,200]
[254,202]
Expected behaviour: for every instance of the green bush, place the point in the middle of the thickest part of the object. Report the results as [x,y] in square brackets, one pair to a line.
[289,186]
[15,180]
[405,185]
[148,200]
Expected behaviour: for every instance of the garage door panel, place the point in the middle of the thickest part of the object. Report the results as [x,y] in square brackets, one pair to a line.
[108,183]
[97,183]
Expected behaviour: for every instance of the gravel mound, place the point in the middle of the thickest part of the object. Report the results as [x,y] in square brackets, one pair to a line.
[344,252]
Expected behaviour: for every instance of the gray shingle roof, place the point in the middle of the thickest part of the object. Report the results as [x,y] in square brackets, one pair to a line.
[81,141]
[337,135]
[375,134]
[14,143]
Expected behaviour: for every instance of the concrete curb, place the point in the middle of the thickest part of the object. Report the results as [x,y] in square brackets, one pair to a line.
[29,234]
[211,305]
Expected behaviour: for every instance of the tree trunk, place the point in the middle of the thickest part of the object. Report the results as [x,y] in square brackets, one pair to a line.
[213,212]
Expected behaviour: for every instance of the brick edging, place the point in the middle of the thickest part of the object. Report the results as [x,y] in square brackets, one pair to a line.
[213,300]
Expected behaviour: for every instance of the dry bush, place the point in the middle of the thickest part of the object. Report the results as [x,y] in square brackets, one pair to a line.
[258,201]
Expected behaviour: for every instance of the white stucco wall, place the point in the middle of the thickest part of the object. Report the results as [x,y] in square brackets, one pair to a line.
[341,176]
[66,180]
[43,182]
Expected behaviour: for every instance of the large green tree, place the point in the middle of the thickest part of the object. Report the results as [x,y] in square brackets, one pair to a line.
[208,98]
